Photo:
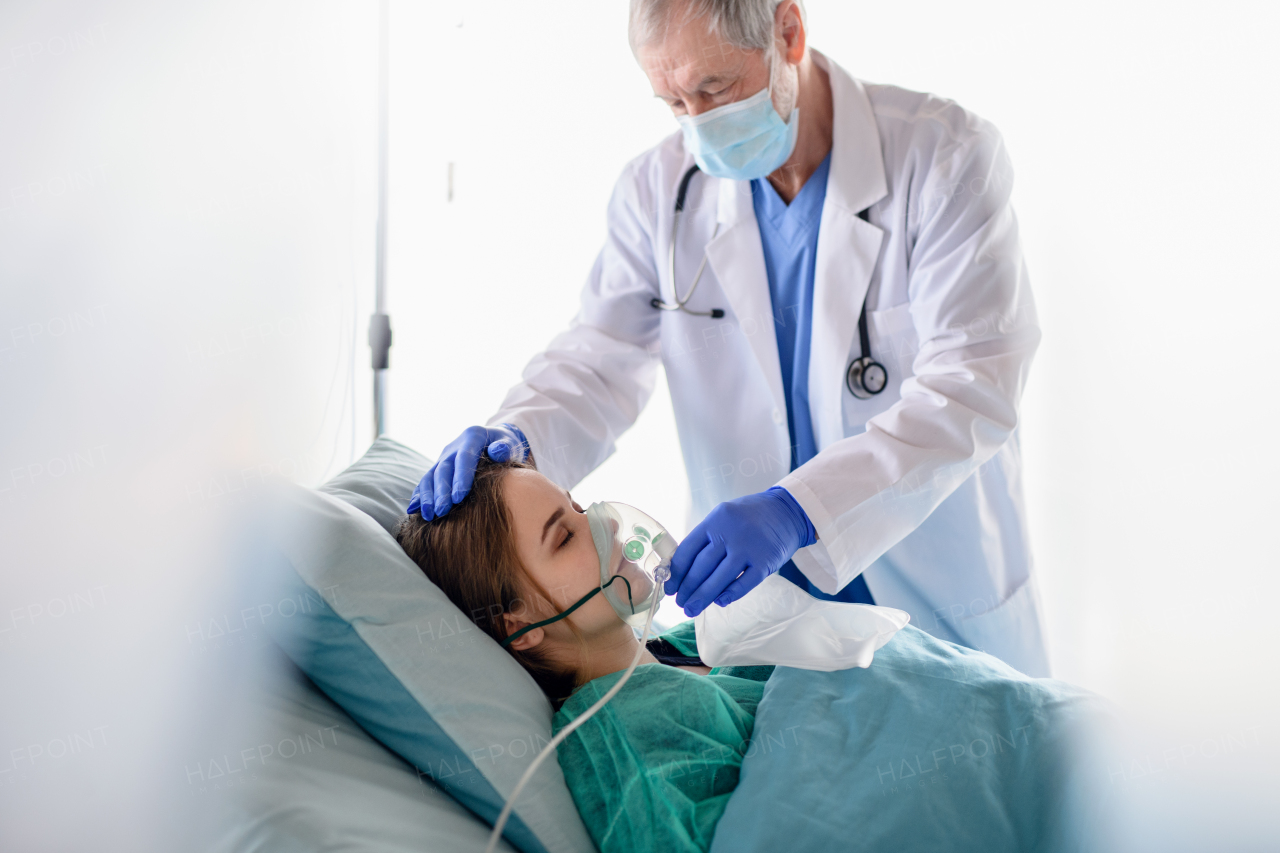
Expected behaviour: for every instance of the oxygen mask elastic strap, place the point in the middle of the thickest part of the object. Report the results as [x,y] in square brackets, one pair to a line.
[564,613]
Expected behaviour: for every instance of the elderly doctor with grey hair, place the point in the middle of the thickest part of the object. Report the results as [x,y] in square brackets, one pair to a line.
[831,275]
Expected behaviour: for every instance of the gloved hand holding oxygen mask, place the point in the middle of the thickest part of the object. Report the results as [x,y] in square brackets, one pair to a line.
[739,544]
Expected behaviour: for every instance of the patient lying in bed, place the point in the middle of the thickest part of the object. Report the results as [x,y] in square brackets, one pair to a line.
[659,766]
[654,769]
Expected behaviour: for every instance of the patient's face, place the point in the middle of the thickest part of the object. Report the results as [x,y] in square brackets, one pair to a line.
[553,539]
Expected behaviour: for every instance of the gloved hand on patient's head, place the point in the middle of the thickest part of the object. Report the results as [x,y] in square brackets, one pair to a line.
[450,479]
[739,544]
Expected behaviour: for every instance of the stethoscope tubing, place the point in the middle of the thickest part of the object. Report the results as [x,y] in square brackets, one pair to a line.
[859,370]
[682,303]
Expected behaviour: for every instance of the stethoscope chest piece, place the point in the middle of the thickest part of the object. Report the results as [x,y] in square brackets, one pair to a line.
[866,378]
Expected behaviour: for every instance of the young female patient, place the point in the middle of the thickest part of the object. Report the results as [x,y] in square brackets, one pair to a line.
[652,770]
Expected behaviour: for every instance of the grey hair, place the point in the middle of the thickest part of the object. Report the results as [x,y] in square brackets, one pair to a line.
[745,24]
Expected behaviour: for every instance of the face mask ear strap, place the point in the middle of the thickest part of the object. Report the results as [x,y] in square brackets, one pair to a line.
[581,601]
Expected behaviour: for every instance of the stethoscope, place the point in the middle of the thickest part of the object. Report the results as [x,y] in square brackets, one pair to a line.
[865,377]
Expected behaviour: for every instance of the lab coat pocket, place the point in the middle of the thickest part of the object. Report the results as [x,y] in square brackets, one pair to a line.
[894,344]
[1010,631]
[894,341]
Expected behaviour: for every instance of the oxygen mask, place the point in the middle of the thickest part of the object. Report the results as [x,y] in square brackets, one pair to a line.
[635,557]
[635,560]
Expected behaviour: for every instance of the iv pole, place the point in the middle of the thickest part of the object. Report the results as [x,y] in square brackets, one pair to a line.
[380,322]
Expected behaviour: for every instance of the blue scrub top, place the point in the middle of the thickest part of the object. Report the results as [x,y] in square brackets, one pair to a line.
[789,234]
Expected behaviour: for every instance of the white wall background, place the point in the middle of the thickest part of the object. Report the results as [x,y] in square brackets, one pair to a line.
[186,227]
[186,209]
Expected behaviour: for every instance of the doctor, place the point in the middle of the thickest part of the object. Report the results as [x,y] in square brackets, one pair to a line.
[841,306]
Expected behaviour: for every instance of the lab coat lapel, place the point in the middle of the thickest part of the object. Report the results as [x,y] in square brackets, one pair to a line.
[848,248]
[736,256]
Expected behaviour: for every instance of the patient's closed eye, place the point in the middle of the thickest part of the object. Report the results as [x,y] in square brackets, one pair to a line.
[567,537]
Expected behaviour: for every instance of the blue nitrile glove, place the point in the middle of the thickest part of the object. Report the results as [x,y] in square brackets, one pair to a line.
[740,543]
[451,477]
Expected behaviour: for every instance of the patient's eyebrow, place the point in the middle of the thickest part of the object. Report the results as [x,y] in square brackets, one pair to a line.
[550,521]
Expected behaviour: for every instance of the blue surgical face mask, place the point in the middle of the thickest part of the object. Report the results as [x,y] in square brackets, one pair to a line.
[741,141]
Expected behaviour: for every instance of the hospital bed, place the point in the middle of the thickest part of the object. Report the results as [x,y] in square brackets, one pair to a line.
[406,728]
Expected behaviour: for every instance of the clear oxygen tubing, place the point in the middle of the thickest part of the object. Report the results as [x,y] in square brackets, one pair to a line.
[660,575]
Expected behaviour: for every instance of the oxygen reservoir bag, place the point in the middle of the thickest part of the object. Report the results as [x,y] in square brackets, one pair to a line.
[779,623]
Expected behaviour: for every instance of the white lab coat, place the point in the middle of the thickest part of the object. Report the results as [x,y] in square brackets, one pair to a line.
[919,487]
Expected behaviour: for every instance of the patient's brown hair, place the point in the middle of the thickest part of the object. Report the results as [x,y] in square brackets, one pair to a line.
[470,554]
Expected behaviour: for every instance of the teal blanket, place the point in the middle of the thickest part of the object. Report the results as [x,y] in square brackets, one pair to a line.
[934,747]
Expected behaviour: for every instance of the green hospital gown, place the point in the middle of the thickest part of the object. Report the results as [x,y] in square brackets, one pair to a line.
[653,769]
